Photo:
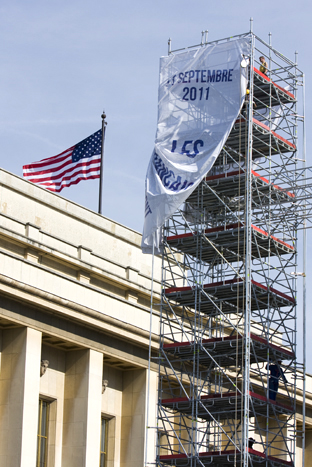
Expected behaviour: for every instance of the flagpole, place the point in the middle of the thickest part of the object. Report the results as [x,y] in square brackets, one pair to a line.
[104,123]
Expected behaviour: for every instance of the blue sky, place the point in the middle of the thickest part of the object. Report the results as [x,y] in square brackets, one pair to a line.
[62,63]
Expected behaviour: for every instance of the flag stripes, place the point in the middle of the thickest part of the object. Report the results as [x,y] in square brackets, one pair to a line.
[80,162]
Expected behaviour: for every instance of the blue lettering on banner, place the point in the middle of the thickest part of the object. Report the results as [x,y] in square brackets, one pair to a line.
[224,75]
[168,178]
[197,143]
[218,76]
[191,75]
[202,76]
[211,76]
[147,208]
[185,151]
[193,93]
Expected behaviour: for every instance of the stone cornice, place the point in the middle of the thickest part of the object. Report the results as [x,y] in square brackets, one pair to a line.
[53,304]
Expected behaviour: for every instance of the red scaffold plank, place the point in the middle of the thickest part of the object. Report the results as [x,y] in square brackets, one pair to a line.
[226,404]
[229,458]
[230,238]
[227,350]
[231,294]
[241,173]
[266,142]
[262,90]
[230,185]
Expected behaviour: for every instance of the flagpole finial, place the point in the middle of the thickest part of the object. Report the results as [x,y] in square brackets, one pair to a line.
[103,115]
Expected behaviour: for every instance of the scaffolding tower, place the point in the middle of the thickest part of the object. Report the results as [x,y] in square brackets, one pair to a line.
[228,371]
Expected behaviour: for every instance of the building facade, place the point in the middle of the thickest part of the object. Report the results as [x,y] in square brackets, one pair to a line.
[75,321]
[75,293]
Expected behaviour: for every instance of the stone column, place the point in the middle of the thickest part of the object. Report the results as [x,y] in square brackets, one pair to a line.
[308,449]
[133,419]
[19,396]
[82,409]
[152,418]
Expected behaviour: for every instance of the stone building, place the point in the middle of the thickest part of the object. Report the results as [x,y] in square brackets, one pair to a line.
[74,333]
[74,336]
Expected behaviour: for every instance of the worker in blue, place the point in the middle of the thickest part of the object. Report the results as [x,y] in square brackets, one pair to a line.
[276,373]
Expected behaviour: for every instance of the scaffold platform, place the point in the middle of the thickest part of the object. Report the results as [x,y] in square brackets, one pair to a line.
[228,458]
[225,188]
[226,351]
[228,297]
[267,93]
[228,243]
[227,404]
[266,142]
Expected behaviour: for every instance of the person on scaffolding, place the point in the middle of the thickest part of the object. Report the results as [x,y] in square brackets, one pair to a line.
[264,65]
[251,442]
[276,373]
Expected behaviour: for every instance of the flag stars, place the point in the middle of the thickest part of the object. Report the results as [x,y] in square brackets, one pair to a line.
[88,147]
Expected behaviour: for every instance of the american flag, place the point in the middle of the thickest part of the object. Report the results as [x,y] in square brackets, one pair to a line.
[80,162]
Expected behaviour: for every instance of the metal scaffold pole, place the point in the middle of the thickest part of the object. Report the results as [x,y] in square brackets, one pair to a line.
[248,273]
[304,303]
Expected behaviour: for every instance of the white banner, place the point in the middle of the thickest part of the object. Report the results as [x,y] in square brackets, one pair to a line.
[200,95]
